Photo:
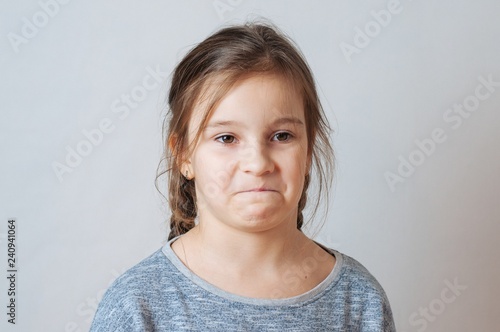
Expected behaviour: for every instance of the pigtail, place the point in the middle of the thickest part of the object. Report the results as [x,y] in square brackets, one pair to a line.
[182,204]
[302,203]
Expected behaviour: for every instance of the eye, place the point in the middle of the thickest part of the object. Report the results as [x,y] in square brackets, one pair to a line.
[282,136]
[226,139]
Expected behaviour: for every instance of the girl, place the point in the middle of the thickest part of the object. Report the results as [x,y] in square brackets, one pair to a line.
[245,130]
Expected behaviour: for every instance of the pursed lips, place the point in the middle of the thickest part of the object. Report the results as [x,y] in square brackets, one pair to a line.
[260,189]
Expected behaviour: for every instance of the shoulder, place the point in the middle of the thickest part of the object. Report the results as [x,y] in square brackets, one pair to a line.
[363,294]
[355,275]
[141,277]
[125,305]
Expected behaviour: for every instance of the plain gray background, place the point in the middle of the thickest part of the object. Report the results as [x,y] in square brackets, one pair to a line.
[389,85]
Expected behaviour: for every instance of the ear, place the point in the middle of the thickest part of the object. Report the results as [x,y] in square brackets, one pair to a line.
[186,169]
[184,165]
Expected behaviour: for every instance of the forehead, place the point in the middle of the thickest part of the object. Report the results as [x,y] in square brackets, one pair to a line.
[253,98]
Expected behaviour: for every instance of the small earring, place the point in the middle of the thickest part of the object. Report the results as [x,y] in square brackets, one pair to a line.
[187,174]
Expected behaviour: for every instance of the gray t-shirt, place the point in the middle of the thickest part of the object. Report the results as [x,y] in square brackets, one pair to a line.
[161,294]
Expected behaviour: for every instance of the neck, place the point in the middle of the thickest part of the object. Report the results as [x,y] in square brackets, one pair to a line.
[242,252]
[266,264]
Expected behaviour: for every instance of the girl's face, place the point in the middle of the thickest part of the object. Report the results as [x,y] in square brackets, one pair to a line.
[251,160]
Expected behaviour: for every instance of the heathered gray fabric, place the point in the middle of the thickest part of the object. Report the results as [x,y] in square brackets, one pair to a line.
[161,294]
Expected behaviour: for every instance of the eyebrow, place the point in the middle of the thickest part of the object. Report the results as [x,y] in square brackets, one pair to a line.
[279,121]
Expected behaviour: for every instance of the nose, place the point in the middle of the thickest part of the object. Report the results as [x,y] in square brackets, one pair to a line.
[255,159]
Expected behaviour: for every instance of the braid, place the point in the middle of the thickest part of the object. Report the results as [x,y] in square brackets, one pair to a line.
[302,203]
[183,206]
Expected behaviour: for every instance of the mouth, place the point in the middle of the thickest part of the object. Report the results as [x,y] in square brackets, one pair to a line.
[258,190]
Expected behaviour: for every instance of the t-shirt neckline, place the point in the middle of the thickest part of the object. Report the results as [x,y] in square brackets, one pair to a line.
[331,279]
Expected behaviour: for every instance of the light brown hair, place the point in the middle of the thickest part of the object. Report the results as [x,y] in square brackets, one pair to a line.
[221,60]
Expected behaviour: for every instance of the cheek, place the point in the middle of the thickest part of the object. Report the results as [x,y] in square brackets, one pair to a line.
[295,161]
[295,172]
[213,171]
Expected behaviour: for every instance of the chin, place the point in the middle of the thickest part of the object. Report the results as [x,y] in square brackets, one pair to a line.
[259,222]
[257,214]
[256,228]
